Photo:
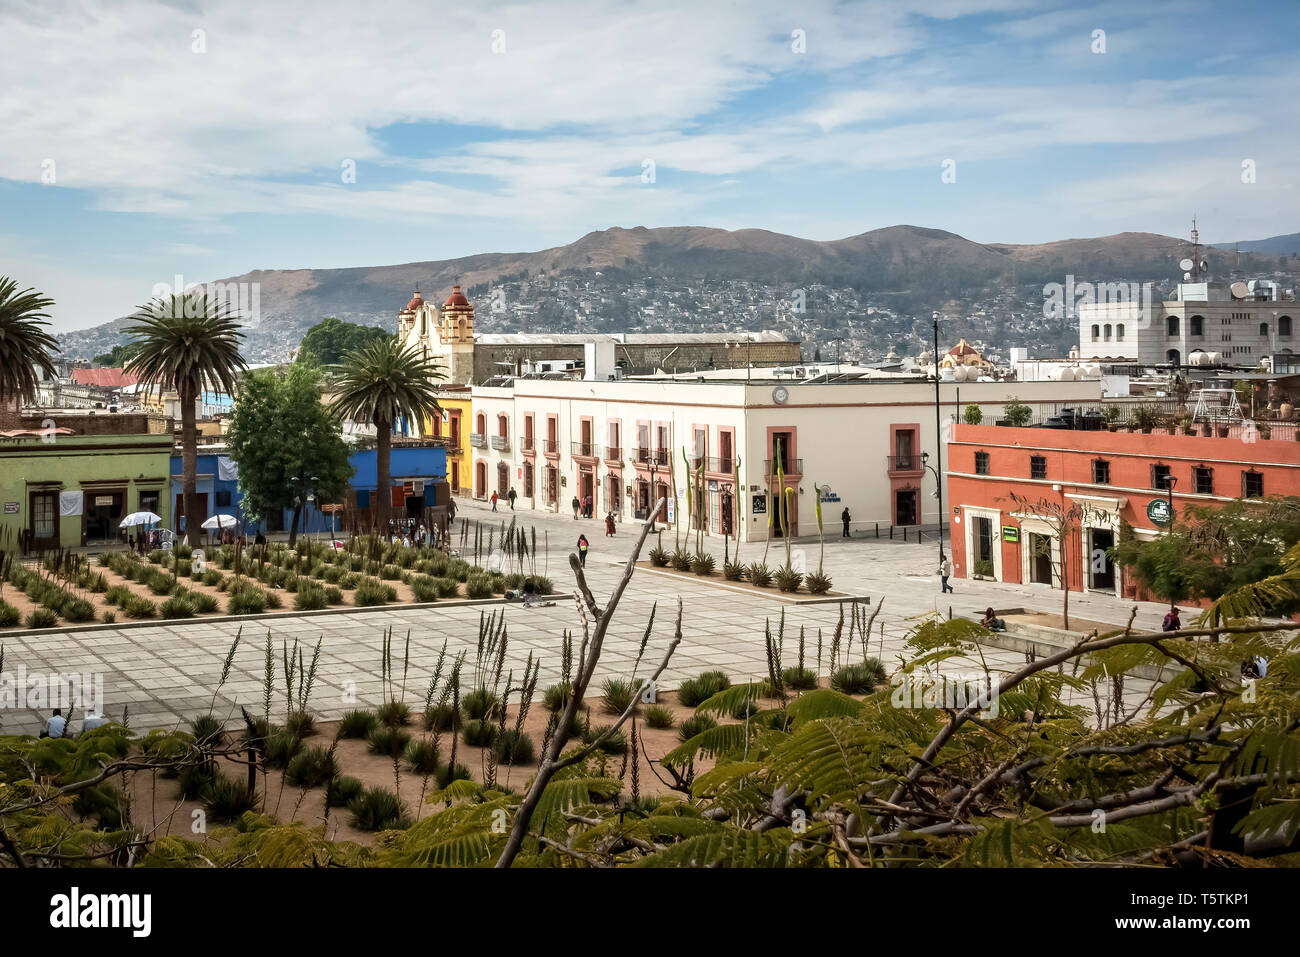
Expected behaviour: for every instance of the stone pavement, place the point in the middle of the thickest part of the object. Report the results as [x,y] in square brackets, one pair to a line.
[166,673]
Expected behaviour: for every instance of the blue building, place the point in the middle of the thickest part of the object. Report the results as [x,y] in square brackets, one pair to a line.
[412,466]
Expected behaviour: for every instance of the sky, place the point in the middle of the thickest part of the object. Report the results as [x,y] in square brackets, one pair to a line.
[140,141]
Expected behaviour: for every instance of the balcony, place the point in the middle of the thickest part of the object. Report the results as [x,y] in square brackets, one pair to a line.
[721,464]
[549,446]
[584,450]
[648,457]
[455,451]
[501,443]
[478,440]
[614,453]
[527,445]
[788,466]
[911,462]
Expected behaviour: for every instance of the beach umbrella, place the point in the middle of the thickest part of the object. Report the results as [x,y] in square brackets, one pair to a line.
[140,518]
[220,521]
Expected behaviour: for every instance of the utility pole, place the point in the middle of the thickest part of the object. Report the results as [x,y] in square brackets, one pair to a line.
[938,436]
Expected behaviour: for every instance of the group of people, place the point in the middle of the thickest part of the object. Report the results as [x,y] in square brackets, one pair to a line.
[510,497]
[56,725]
[144,542]
[582,507]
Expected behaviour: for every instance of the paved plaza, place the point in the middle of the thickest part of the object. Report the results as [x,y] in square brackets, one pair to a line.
[166,673]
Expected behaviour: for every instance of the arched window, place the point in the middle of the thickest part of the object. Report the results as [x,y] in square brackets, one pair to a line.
[1096,332]
[1172,357]
[1171,325]
[503,426]
[1284,326]
[1196,326]
[480,424]
[1107,332]
[1263,329]
[1119,331]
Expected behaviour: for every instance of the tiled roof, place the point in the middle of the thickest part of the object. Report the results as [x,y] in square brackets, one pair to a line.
[104,378]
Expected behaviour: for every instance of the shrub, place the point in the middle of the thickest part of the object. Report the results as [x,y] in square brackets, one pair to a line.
[658,716]
[478,586]
[194,780]
[117,594]
[421,756]
[279,748]
[556,697]
[332,575]
[136,607]
[370,592]
[301,724]
[441,717]
[394,713]
[703,564]
[787,579]
[659,556]
[746,708]
[618,694]
[423,588]
[390,573]
[759,574]
[818,583]
[1015,412]
[311,767]
[972,415]
[248,600]
[447,774]
[861,678]
[544,585]
[42,618]
[702,687]
[333,596]
[160,583]
[616,743]
[212,576]
[339,791]
[183,568]
[78,609]
[446,587]
[358,724]
[388,742]
[801,679]
[207,730]
[514,747]
[310,596]
[733,571]
[9,615]
[226,799]
[272,599]
[478,733]
[177,606]
[694,725]
[377,809]
[681,559]
[480,704]
[109,617]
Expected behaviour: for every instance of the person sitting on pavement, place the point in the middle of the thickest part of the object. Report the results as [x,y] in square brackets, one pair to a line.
[55,725]
[92,720]
[991,621]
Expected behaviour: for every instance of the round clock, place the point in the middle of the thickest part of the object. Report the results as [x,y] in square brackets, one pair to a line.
[780,395]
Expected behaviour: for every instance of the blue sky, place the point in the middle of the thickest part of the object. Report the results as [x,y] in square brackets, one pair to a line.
[208,139]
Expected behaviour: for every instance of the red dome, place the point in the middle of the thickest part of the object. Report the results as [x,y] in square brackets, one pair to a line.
[457,298]
[415,303]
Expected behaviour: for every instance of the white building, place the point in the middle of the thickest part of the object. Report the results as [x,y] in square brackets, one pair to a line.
[868,444]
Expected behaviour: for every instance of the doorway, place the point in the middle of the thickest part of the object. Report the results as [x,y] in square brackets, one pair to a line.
[480,480]
[905,507]
[1102,570]
[1040,559]
[104,510]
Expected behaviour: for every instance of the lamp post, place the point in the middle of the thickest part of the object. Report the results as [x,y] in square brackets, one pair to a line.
[938,493]
[1170,482]
[938,435]
[654,471]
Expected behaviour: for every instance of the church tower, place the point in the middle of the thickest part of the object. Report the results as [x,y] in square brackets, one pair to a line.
[446,336]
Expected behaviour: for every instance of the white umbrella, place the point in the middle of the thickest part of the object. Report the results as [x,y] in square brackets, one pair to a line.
[220,521]
[140,518]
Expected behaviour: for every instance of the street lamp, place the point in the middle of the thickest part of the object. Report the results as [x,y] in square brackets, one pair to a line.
[938,493]
[653,472]
[938,433]
[1170,482]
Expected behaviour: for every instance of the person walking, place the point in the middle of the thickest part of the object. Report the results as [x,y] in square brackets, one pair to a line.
[844,517]
[609,525]
[451,511]
[945,572]
[586,507]
[494,501]
[577,504]
[512,495]
[583,545]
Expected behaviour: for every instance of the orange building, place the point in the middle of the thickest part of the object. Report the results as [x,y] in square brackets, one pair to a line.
[1112,478]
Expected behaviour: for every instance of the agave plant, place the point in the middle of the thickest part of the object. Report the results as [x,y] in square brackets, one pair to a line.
[759,574]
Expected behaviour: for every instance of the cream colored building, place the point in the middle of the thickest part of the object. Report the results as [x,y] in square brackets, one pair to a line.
[868,445]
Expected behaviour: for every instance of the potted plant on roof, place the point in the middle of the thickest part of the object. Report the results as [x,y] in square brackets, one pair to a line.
[1113,413]
[1186,423]
[1146,418]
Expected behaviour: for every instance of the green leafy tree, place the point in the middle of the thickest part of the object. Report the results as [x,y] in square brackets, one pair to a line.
[25,344]
[380,384]
[119,355]
[1016,412]
[281,431]
[327,342]
[1216,550]
[973,415]
[188,343]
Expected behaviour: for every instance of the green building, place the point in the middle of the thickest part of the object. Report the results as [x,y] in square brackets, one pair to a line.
[69,480]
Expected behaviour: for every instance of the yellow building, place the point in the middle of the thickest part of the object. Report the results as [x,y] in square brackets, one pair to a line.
[964,354]
[456,426]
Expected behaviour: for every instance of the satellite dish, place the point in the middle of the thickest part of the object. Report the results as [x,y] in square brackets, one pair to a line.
[1239,290]
[1186,265]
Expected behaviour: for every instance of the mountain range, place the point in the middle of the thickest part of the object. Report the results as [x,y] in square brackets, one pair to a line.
[910,267]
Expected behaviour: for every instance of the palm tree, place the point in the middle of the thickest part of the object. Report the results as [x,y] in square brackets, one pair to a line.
[25,346]
[381,383]
[188,343]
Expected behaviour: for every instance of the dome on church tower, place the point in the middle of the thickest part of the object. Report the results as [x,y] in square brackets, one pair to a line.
[415,303]
[457,298]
